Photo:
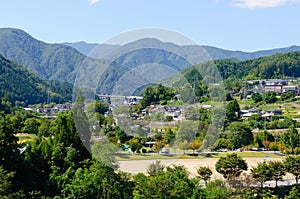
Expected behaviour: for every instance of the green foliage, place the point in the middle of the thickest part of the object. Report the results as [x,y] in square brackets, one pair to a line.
[49,61]
[262,172]
[135,144]
[291,138]
[187,131]
[5,178]
[204,173]
[155,94]
[277,169]
[287,96]
[169,136]
[8,143]
[183,145]
[269,97]
[264,136]
[216,190]
[173,182]
[222,143]
[31,125]
[231,166]
[294,193]
[256,97]
[240,135]
[17,84]
[232,110]
[81,121]
[96,181]
[292,165]
[154,167]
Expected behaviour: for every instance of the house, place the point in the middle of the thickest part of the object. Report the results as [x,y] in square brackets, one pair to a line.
[274,87]
[294,89]
[245,114]
[254,110]
[269,113]
[274,112]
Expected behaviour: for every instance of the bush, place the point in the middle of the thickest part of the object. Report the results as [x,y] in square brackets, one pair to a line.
[274,146]
[297,151]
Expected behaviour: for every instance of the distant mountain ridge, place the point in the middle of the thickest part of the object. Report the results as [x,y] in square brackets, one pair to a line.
[214,52]
[82,46]
[49,61]
[68,62]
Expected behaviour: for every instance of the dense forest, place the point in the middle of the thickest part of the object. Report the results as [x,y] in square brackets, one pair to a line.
[234,71]
[18,85]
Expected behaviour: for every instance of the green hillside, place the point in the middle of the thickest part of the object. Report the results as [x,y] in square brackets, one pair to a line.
[49,61]
[275,66]
[18,84]
[234,71]
[62,62]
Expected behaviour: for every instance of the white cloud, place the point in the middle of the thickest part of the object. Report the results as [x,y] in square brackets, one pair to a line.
[252,4]
[92,2]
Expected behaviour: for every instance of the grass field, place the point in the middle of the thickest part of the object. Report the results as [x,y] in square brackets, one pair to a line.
[24,137]
[155,156]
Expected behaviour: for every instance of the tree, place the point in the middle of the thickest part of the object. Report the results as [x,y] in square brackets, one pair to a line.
[269,97]
[232,109]
[158,145]
[169,118]
[292,165]
[194,145]
[204,173]
[154,94]
[222,143]
[216,189]
[187,131]
[172,182]
[169,137]
[240,135]
[96,181]
[277,170]
[183,145]
[81,120]
[5,184]
[264,136]
[291,138]
[154,167]
[262,172]
[31,125]
[287,95]
[294,193]
[8,144]
[256,97]
[135,144]
[231,166]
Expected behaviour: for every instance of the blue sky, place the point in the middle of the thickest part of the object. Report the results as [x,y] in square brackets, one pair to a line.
[247,25]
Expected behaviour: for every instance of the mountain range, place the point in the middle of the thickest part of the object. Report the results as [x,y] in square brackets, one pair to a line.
[214,52]
[108,67]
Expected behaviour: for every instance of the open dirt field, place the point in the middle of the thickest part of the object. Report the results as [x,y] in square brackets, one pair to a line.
[140,166]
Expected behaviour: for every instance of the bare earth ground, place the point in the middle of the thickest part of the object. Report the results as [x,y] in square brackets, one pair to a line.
[140,166]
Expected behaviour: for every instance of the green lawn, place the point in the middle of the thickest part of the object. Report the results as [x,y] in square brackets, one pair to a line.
[154,156]
[24,137]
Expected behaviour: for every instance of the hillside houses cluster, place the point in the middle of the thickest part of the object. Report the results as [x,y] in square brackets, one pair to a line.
[174,111]
[277,85]
[245,114]
[51,111]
